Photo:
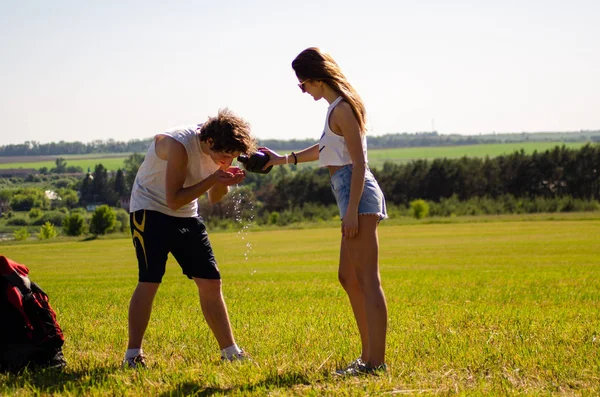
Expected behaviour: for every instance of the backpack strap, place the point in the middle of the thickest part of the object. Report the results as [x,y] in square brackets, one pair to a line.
[22,283]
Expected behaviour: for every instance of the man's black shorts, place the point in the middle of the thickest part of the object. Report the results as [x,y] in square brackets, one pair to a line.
[156,234]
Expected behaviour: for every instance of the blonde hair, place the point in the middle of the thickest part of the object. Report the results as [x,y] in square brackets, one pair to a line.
[315,64]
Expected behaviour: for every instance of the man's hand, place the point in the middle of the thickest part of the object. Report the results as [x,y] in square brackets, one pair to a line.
[231,176]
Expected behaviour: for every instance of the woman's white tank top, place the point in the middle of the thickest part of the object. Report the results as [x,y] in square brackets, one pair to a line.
[149,190]
[332,147]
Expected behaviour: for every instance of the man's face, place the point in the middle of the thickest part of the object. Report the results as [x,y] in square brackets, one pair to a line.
[223,159]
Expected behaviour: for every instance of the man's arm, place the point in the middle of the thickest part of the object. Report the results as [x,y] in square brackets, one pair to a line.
[217,192]
[177,196]
[235,175]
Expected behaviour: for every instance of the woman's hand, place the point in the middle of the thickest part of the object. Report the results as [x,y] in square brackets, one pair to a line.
[231,176]
[350,224]
[274,157]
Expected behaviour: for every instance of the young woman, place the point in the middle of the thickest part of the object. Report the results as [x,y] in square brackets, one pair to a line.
[343,149]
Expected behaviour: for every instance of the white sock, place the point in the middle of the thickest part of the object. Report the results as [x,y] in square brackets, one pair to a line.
[230,351]
[131,353]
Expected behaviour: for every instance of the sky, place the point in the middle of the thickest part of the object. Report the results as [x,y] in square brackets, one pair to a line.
[99,70]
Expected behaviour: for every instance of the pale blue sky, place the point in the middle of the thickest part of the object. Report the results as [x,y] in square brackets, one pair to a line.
[79,70]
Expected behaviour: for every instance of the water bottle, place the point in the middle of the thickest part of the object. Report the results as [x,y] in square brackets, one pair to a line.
[255,162]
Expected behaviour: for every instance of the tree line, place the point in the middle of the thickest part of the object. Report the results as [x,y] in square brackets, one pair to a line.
[394,140]
[553,173]
[558,179]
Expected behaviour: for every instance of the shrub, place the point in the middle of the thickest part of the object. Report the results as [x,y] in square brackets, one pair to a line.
[21,234]
[420,208]
[122,223]
[35,213]
[274,218]
[16,221]
[103,220]
[74,225]
[47,231]
[25,199]
[54,217]
[21,202]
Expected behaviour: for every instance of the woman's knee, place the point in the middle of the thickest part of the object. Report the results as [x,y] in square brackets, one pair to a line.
[348,280]
[369,283]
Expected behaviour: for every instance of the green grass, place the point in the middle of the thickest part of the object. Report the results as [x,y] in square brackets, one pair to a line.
[111,161]
[474,308]
[377,157]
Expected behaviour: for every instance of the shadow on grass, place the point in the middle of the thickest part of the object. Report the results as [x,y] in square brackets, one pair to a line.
[285,380]
[90,238]
[54,380]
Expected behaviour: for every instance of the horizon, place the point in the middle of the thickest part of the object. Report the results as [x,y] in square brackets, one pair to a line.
[581,132]
[78,72]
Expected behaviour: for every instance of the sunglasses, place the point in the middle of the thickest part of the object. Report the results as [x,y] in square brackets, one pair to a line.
[301,85]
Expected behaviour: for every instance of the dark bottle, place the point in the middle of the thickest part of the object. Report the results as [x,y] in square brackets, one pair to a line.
[255,162]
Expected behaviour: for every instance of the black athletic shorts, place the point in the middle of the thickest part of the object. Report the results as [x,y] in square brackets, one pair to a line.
[156,234]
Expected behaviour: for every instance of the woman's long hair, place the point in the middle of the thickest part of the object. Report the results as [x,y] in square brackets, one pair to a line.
[314,64]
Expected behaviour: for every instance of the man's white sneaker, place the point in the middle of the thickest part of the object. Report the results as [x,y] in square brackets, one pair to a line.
[241,356]
[135,362]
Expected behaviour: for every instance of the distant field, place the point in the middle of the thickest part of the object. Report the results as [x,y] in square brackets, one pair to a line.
[495,308]
[112,161]
[404,155]
[376,157]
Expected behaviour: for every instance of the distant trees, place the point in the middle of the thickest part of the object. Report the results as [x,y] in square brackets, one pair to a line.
[61,167]
[559,179]
[98,187]
[430,138]
[24,199]
[33,148]
[131,166]
[554,173]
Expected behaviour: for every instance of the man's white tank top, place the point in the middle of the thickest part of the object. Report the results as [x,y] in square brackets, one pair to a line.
[149,191]
[332,147]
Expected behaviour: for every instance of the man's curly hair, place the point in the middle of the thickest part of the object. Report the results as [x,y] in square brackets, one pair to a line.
[229,133]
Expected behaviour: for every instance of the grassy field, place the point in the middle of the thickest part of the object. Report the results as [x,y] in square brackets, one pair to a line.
[376,157]
[111,161]
[487,308]
[403,155]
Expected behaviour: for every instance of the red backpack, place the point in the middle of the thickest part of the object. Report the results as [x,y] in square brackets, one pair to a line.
[30,336]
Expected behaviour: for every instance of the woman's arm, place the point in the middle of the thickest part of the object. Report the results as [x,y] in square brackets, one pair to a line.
[343,121]
[311,153]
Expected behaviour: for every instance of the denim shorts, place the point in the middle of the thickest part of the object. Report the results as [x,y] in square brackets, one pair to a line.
[371,201]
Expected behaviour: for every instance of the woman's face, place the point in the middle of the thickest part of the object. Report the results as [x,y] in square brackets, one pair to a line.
[312,87]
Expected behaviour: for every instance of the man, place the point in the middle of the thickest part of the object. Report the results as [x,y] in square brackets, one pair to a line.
[181,165]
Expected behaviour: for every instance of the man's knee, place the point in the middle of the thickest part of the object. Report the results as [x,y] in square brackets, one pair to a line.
[208,287]
[146,289]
